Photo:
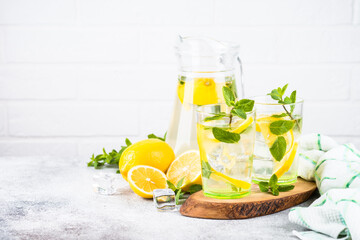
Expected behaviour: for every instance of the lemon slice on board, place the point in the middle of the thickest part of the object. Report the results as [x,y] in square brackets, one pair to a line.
[186,165]
[144,179]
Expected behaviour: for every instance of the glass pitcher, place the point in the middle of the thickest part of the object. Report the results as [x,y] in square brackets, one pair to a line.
[205,66]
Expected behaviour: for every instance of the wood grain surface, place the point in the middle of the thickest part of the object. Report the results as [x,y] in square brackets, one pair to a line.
[254,205]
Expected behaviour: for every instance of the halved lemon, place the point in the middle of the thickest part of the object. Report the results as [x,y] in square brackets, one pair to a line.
[244,125]
[187,166]
[144,179]
[285,164]
[263,125]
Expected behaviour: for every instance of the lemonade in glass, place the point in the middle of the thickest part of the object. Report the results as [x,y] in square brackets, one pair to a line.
[226,151]
[278,128]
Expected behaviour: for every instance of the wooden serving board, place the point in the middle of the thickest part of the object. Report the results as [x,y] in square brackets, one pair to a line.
[254,205]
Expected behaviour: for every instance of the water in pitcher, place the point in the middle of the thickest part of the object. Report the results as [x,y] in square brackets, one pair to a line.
[205,66]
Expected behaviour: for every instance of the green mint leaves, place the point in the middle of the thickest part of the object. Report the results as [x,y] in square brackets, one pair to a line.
[179,194]
[111,158]
[278,148]
[215,117]
[273,187]
[205,169]
[225,136]
[278,95]
[229,96]
[239,109]
[281,127]
[156,137]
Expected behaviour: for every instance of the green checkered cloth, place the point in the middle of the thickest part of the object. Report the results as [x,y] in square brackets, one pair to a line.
[336,170]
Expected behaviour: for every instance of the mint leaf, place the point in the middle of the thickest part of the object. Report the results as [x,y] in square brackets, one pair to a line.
[150,136]
[177,197]
[275,191]
[228,96]
[275,95]
[264,186]
[127,142]
[279,115]
[195,188]
[246,105]
[273,181]
[293,100]
[284,89]
[238,112]
[215,117]
[280,127]
[171,186]
[118,172]
[278,148]
[285,188]
[205,169]
[180,183]
[225,136]
[235,188]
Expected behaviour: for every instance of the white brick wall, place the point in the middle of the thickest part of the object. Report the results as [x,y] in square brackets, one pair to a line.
[79,75]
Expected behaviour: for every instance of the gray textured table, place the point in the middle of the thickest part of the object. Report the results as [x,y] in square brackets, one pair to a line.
[49,198]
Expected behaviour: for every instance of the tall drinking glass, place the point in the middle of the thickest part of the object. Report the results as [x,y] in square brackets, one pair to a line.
[226,151]
[278,128]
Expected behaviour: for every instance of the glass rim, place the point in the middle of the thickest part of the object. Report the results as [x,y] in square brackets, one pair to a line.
[298,101]
[198,109]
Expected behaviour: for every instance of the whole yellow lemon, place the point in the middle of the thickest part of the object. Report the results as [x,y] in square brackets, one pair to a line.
[149,152]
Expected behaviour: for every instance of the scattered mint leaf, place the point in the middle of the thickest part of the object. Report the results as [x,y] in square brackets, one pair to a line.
[264,186]
[215,117]
[281,127]
[228,96]
[274,187]
[285,188]
[180,183]
[195,188]
[127,142]
[206,169]
[278,148]
[171,186]
[273,181]
[279,115]
[118,172]
[275,191]
[177,196]
[238,112]
[150,136]
[225,136]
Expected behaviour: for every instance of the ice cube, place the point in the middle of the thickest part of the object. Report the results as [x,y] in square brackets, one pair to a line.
[105,183]
[164,199]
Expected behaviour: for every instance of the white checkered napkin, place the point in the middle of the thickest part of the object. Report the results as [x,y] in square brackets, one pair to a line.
[335,215]
[312,147]
[338,168]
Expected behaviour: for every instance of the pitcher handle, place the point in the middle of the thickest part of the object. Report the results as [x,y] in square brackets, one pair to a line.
[241,78]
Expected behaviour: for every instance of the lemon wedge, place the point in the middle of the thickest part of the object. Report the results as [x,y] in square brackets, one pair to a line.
[285,166]
[144,179]
[187,166]
[244,125]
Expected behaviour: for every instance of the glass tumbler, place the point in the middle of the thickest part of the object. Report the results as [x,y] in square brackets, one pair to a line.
[278,129]
[226,147]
